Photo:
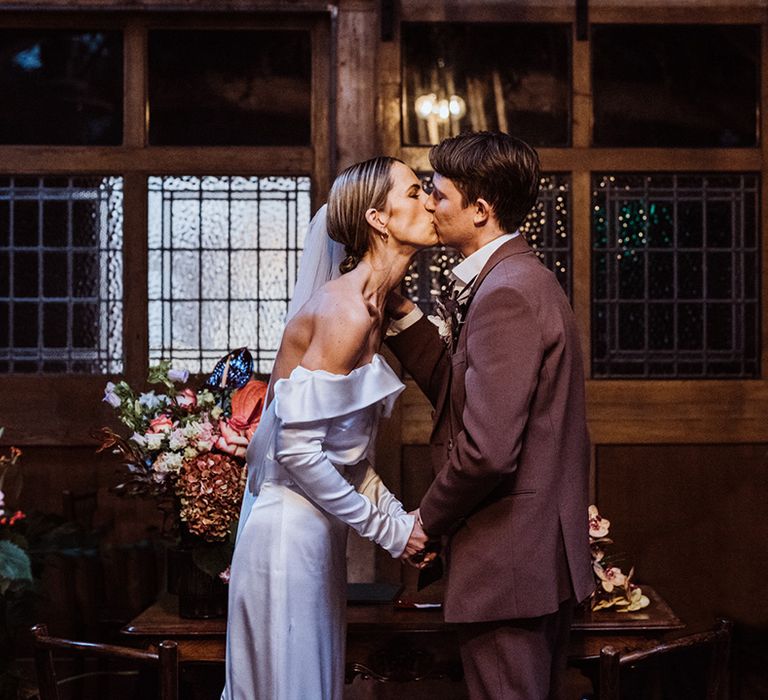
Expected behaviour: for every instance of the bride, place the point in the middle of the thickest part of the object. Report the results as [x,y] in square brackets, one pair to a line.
[310,461]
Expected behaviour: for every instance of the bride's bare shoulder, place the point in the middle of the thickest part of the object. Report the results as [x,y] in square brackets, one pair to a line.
[341,326]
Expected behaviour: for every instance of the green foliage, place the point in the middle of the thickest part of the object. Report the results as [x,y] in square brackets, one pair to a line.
[15,571]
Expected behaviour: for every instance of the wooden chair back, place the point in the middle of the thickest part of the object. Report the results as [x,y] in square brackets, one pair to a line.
[166,660]
[612,661]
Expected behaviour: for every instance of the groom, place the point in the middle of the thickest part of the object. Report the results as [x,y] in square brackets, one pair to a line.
[510,442]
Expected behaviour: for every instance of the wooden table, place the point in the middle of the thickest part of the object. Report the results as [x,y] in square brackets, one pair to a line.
[386,643]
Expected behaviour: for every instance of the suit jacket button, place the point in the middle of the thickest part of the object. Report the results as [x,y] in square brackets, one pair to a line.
[450,445]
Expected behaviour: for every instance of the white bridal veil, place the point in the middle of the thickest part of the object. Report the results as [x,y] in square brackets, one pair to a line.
[319,262]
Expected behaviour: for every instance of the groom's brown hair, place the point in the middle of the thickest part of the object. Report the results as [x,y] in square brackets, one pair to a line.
[494,166]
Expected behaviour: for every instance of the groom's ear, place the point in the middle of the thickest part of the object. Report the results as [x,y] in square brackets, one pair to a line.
[377,219]
[482,213]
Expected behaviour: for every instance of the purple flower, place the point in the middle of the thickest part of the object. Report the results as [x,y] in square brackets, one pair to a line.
[178,375]
[110,396]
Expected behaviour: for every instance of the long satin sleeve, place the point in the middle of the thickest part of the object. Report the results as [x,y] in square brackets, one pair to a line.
[300,452]
[368,482]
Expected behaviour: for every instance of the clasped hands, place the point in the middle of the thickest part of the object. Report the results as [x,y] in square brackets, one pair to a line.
[416,553]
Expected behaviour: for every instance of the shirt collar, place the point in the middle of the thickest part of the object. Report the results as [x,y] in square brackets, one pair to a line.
[472,265]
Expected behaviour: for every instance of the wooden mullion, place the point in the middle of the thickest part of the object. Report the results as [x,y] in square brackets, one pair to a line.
[357,86]
[389,107]
[581,259]
[701,12]
[581,91]
[490,12]
[39,18]
[320,165]
[680,411]
[222,13]
[158,160]
[580,205]
[628,159]
[763,135]
[135,278]
[651,159]
[135,86]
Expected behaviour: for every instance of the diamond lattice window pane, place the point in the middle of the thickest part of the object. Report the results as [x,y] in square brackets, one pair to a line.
[61,274]
[675,276]
[223,254]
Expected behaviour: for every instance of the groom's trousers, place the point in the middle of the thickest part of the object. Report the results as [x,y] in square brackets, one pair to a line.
[517,659]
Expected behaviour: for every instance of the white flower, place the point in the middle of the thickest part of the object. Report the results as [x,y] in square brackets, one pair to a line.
[190,453]
[177,440]
[167,463]
[178,375]
[204,445]
[206,398]
[139,439]
[443,327]
[192,430]
[154,440]
[216,412]
[173,461]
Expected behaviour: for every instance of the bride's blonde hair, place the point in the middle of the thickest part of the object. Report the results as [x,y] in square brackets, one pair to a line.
[360,187]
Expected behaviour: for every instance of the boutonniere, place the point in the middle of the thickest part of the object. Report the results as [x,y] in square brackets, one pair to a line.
[448,320]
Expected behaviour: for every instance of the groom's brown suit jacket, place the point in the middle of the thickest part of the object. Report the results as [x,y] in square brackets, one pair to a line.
[510,444]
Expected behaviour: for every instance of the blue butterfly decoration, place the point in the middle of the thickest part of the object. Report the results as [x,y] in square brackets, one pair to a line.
[232,371]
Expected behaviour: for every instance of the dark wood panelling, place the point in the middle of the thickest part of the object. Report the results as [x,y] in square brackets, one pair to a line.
[691,519]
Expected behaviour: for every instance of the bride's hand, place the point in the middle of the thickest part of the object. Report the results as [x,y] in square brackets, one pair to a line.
[417,541]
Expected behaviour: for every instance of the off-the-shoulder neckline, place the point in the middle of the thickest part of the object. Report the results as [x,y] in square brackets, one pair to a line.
[377,359]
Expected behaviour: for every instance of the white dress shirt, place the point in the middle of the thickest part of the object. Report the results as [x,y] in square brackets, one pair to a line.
[463,276]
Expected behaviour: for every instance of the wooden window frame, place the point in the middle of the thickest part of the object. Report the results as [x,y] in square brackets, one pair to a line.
[632,411]
[37,409]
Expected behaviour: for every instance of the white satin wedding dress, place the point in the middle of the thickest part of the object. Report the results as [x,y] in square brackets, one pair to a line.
[310,476]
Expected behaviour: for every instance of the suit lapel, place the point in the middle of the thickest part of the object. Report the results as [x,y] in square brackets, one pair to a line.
[516,246]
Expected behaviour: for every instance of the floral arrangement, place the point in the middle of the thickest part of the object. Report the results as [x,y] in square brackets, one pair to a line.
[15,571]
[187,446]
[614,588]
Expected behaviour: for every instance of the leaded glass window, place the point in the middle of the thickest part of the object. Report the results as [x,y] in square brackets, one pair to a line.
[545,228]
[61,274]
[223,256]
[675,276]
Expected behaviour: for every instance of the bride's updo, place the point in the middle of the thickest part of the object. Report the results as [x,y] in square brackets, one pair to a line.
[360,187]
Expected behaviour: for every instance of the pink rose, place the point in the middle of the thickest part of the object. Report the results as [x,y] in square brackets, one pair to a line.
[186,399]
[161,424]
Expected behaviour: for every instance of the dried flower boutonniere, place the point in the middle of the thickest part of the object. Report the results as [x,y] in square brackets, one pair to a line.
[448,320]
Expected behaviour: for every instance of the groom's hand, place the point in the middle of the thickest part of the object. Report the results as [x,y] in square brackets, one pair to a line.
[416,552]
[417,541]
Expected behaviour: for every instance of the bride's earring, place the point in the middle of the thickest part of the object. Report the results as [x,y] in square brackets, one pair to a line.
[384,235]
